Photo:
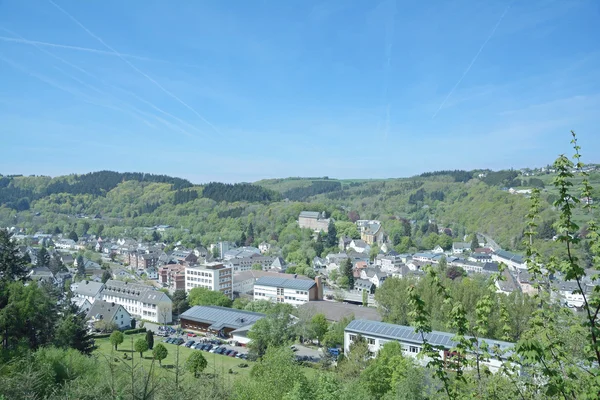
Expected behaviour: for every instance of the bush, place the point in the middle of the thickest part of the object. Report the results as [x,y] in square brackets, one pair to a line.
[134,331]
[243,365]
[101,335]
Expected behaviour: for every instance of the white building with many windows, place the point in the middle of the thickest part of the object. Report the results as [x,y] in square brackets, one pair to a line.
[145,302]
[213,276]
[289,291]
[379,333]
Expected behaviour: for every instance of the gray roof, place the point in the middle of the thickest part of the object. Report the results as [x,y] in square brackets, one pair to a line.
[407,334]
[310,214]
[298,284]
[335,311]
[103,310]
[490,267]
[363,284]
[461,245]
[87,288]
[143,293]
[510,256]
[221,317]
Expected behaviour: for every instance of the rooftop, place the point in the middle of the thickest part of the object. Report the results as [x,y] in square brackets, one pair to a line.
[298,284]
[335,311]
[407,334]
[221,317]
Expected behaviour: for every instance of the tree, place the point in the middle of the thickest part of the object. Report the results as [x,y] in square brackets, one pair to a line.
[159,353]
[454,272]
[365,298]
[346,270]
[116,338]
[56,264]
[106,275]
[443,264]
[205,297]
[73,236]
[373,252]
[196,363]
[150,339]
[140,346]
[331,234]
[80,266]
[318,327]
[43,258]
[155,236]
[257,267]
[72,331]
[273,330]
[474,242]
[104,325]
[12,265]
[180,302]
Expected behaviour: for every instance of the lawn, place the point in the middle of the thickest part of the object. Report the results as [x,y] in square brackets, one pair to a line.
[216,363]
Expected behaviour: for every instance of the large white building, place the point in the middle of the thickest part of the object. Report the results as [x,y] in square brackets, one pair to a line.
[379,333]
[87,290]
[143,301]
[513,261]
[111,312]
[288,291]
[213,276]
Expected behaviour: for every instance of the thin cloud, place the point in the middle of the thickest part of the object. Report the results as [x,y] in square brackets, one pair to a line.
[472,61]
[167,92]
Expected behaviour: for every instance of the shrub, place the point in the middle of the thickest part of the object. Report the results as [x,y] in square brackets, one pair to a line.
[134,331]
[243,365]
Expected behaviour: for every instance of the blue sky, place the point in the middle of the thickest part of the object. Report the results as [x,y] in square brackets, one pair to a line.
[243,90]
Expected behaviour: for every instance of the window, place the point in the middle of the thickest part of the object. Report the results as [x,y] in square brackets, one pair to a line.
[413,349]
[371,341]
[352,338]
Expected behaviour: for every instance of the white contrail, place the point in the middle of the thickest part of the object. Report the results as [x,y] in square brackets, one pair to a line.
[163,121]
[78,48]
[472,61]
[134,67]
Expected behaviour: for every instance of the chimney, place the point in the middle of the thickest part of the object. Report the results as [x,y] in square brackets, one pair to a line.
[113,303]
[319,282]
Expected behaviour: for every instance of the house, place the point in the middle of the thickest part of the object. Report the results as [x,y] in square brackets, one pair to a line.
[42,274]
[372,233]
[313,220]
[569,294]
[87,290]
[460,247]
[110,312]
[221,321]
[490,268]
[65,244]
[172,276]
[183,256]
[377,334]
[480,257]
[264,247]
[513,261]
[437,249]
[373,275]
[121,274]
[151,273]
[140,300]
[213,276]
[83,305]
[221,248]
[507,285]
[424,257]
[289,291]
[140,260]
[344,242]
[360,246]
[243,282]
[364,285]
[278,264]
[526,282]
[239,264]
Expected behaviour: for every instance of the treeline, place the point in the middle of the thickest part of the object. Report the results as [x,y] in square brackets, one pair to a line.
[183,196]
[457,174]
[239,192]
[501,178]
[316,187]
[18,194]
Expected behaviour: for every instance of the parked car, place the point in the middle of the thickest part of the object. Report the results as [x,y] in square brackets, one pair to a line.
[190,343]
[191,334]
[207,347]
[178,341]
[233,353]
[294,348]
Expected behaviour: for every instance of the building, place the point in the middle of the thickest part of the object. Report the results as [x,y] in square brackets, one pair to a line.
[140,300]
[243,282]
[379,333]
[82,304]
[372,233]
[246,263]
[288,291]
[111,312]
[141,261]
[513,261]
[460,247]
[172,276]
[264,247]
[87,290]
[221,248]
[220,321]
[213,276]
[313,220]
[480,257]
[336,311]
[360,246]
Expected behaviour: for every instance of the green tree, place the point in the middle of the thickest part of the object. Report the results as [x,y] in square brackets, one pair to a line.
[373,252]
[474,242]
[106,275]
[454,272]
[331,234]
[140,346]
[445,241]
[116,338]
[273,330]
[12,265]
[443,264]
[347,271]
[160,353]
[205,297]
[365,298]
[335,334]
[43,258]
[180,302]
[72,331]
[196,363]
[257,267]
[155,236]
[80,266]
[150,339]
[319,327]
[73,236]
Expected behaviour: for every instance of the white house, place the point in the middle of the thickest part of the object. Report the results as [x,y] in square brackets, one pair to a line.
[288,291]
[65,244]
[460,247]
[437,249]
[264,247]
[360,246]
[379,333]
[87,290]
[111,312]
[82,304]
[513,261]
[143,301]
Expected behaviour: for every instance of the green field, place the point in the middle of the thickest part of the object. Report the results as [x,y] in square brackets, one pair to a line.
[217,364]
